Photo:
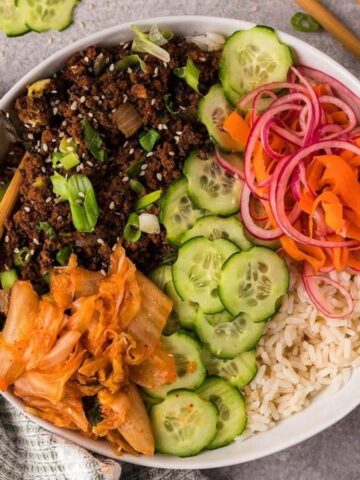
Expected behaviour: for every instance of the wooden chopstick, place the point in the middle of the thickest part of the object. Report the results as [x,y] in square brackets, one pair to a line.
[9,200]
[332,24]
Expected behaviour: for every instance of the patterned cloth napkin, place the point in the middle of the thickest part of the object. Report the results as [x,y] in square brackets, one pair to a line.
[27,452]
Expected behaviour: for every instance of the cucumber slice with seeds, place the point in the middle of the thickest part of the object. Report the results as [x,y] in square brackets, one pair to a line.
[230,403]
[213,228]
[178,214]
[238,371]
[221,317]
[183,313]
[226,340]
[213,109]
[12,19]
[190,368]
[197,271]
[253,282]
[42,15]
[252,58]
[210,186]
[183,424]
[161,276]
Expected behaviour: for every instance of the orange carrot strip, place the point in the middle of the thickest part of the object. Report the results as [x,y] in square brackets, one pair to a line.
[237,128]
[314,255]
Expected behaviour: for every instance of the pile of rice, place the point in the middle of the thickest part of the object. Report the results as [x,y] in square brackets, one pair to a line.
[301,353]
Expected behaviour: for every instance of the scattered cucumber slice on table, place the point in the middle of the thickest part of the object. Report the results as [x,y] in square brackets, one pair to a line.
[42,15]
[183,424]
[183,313]
[12,19]
[190,368]
[214,227]
[197,271]
[161,276]
[230,403]
[178,214]
[238,371]
[226,340]
[251,58]
[253,282]
[210,186]
[213,110]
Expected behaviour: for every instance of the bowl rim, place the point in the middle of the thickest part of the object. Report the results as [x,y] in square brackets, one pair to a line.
[201,461]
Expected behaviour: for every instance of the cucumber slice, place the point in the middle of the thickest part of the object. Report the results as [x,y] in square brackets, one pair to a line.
[251,58]
[148,401]
[213,228]
[226,340]
[238,371]
[178,214]
[42,15]
[197,271]
[12,19]
[253,282]
[221,317]
[183,313]
[190,368]
[230,403]
[183,424]
[210,186]
[213,109]
[161,276]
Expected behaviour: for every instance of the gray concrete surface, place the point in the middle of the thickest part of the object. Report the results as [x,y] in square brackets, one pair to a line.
[335,453]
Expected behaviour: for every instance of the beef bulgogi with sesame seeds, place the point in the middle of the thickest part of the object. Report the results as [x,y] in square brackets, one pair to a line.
[90,87]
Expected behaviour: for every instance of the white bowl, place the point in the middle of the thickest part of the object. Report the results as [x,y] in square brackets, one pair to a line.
[326,409]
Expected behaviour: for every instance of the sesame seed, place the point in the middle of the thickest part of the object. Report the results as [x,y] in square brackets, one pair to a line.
[159,176]
[153,101]
[64,123]
[32,251]
[164,126]
[125,46]
[156,72]
[165,64]
[73,106]
[82,99]
[150,154]
[126,143]
[125,179]
[27,209]
[179,132]
[131,151]
[36,241]
[111,68]
[26,125]
[112,206]
[54,92]
[113,110]
[160,127]
[101,241]
[57,102]
[172,153]
[102,271]
[30,135]
[176,138]
[45,147]
[89,163]
[80,116]
[129,70]
[7,115]
[125,98]
[6,239]
[48,200]
[78,169]
[103,97]
[86,59]
[61,134]
[16,250]
[59,218]
[144,166]
[11,153]
[48,160]
[90,115]
[142,173]
[202,59]
[182,107]
[96,98]
[43,169]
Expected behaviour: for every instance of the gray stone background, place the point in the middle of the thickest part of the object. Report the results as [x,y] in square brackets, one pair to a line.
[335,453]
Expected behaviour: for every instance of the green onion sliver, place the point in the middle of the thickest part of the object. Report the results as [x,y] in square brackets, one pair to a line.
[149,139]
[93,140]
[169,104]
[47,228]
[190,73]
[132,231]
[8,278]
[70,160]
[135,168]
[59,184]
[137,187]
[22,257]
[83,204]
[158,37]
[63,255]
[143,44]
[302,22]
[148,200]
[129,61]
[68,145]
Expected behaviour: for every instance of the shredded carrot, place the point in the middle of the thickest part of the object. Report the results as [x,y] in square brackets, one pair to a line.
[237,128]
[314,255]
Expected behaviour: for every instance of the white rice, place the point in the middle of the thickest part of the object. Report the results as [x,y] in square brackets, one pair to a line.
[301,353]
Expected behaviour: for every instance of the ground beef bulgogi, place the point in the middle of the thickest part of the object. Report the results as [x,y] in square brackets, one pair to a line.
[80,90]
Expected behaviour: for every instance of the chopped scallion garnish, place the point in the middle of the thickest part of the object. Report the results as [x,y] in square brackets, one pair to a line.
[148,200]
[169,104]
[132,231]
[47,228]
[68,145]
[65,160]
[137,186]
[143,44]
[158,37]
[190,73]
[135,168]
[59,184]
[129,61]
[83,204]
[149,139]
[22,257]
[8,278]
[63,255]
[303,22]
[93,140]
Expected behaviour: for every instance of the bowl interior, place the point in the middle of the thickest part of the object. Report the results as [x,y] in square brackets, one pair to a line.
[327,408]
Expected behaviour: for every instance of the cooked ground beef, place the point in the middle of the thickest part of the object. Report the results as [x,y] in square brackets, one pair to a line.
[77,92]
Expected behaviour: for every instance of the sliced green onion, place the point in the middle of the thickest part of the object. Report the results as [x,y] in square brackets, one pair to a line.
[83,204]
[169,104]
[63,256]
[135,168]
[22,257]
[190,73]
[302,22]
[70,160]
[8,278]
[3,190]
[158,37]
[93,140]
[68,145]
[59,184]
[148,200]
[149,223]
[132,232]
[100,63]
[137,186]
[129,61]
[143,44]
[149,139]
[55,159]
[127,119]
[47,228]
